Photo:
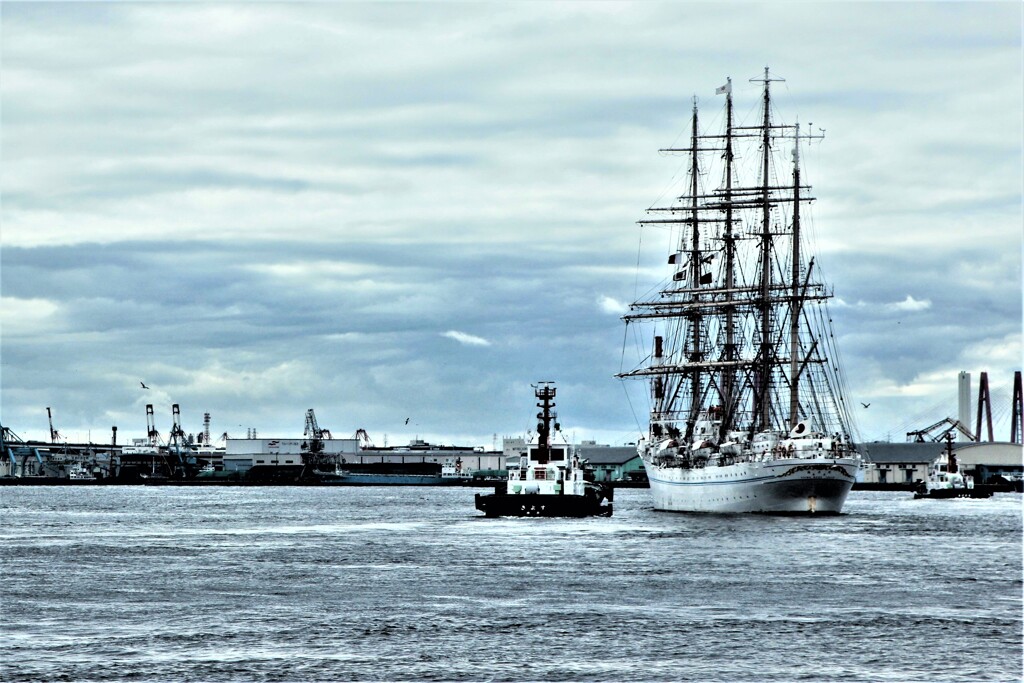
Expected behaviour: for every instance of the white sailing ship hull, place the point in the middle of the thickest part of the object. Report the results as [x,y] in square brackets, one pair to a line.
[788,485]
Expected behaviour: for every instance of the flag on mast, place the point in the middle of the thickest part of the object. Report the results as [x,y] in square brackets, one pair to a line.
[724,89]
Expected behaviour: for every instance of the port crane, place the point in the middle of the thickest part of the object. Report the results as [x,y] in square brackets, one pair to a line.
[154,441]
[918,436]
[364,439]
[314,433]
[151,432]
[54,434]
[313,456]
[177,445]
[177,433]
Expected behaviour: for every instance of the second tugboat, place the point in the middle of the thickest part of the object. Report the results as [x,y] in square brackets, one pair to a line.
[552,481]
[946,481]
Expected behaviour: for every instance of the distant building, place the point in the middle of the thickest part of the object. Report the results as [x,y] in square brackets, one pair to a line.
[513,446]
[418,451]
[986,461]
[613,463]
[897,463]
[240,455]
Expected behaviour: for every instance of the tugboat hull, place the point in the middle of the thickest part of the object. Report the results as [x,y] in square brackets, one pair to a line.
[541,505]
[975,492]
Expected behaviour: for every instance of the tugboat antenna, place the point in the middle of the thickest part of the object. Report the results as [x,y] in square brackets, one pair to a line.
[545,393]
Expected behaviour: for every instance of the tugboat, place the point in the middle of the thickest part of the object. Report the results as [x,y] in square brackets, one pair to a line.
[552,481]
[946,481]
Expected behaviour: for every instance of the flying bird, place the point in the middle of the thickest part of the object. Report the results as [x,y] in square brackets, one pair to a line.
[866,405]
[406,420]
[143,385]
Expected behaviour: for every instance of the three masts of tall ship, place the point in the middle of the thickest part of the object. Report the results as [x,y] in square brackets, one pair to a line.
[739,375]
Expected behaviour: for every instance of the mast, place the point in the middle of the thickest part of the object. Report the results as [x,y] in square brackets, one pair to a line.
[766,359]
[545,393]
[763,405]
[729,374]
[794,311]
[695,277]
[798,290]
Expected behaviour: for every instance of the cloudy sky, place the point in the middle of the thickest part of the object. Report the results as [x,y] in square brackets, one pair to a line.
[389,211]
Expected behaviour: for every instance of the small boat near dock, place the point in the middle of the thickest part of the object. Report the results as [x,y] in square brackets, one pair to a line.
[79,473]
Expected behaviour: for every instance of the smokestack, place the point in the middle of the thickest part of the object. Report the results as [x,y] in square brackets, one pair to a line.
[965,402]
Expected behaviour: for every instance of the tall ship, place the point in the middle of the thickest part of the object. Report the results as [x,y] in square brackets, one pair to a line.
[748,410]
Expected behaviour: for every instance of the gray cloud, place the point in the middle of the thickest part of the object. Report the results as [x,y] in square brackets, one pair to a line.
[263,208]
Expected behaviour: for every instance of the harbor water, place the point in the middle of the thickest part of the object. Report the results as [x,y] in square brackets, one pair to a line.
[309,584]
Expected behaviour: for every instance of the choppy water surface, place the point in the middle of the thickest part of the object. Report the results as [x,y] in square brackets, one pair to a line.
[269,584]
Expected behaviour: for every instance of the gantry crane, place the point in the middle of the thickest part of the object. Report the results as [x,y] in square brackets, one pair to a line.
[151,432]
[918,436]
[313,456]
[314,433]
[363,438]
[54,434]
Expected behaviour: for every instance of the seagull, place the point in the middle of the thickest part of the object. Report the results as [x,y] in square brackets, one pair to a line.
[143,385]
[866,405]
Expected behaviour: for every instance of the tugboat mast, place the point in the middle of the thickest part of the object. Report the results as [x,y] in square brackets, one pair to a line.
[545,393]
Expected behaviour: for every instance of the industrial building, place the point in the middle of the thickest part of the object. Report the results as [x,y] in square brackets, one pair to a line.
[420,452]
[988,462]
[614,463]
[898,463]
[241,455]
